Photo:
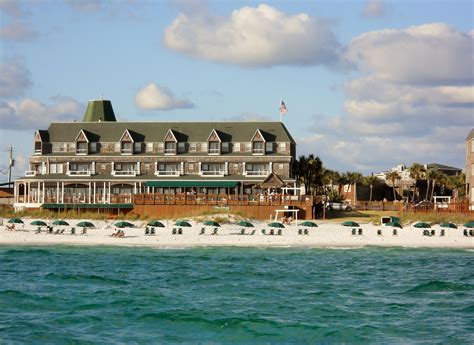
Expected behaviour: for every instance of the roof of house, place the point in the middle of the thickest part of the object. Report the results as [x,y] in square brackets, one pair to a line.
[438,166]
[109,131]
[99,110]
[471,135]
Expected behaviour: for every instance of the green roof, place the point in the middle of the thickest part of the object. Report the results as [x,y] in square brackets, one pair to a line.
[99,110]
[208,184]
[109,131]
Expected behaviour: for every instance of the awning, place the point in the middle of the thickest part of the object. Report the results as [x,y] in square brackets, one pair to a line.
[76,206]
[208,184]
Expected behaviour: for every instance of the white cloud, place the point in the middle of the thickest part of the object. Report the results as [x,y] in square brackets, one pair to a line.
[426,54]
[254,37]
[373,8]
[32,114]
[15,78]
[154,97]
[17,31]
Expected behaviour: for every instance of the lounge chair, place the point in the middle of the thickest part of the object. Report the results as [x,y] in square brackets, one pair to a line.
[360,231]
[62,231]
[84,231]
[433,233]
[50,229]
[180,231]
[264,232]
[300,231]
[242,231]
[354,231]
[379,232]
[306,232]
[442,232]
[465,232]
[57,231]
[203,231]
[279,232]
[395,232]
[214,232]
[38,230]
[174,231]
[471,232]
[152,231]
[73,231]
[272,232]
[253,232]
[147,231]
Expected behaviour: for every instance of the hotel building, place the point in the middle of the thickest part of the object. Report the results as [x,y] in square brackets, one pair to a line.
[102,163]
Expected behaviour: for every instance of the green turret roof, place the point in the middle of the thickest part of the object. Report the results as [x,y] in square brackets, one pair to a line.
[98,111]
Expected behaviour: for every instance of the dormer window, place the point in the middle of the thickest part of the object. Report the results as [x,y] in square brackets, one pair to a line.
[38,147]
[82,143]
[214,147]
[258,143]
[129,144]
[170,148]
[126,148]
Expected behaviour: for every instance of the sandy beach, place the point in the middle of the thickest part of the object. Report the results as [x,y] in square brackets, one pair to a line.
[325,235]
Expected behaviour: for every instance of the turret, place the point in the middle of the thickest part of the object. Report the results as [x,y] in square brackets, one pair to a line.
[99,110]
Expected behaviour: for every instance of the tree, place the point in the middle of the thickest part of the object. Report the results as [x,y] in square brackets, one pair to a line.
[417,172]
[309,171]
[370,181]
[393,176]
[431,176]
[353,178]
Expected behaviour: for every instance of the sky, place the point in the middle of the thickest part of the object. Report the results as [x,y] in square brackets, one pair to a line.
[368,84]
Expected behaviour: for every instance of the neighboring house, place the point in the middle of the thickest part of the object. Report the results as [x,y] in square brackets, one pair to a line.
[447,170]
[470,168]
[102,161]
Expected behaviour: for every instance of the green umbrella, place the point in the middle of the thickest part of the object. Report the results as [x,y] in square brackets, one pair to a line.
[156,223]
[211,223]
[245,224]
[60,222]
[276,225]
[309,224]
[350,223]
[448,225]
[38,222]
[182,223]
[16,221]
[394,224]
[469,224]
[422,225]
[85,224]
[124,224]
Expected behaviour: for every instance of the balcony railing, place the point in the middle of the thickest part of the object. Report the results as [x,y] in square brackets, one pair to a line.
[168,173]
[126,151]
[79,173]
[256,172]
[170,151]
[214,151]
[212,172]
[38,151]
[30,173]
[124,173]
[258,151]
[81,151]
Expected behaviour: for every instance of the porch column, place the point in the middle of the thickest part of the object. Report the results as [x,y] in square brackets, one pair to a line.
[134,188]
[199,167]
[14,193]
[62,192]
[29,192]
[94,192]
[243,169]
[43,168]
[226,168]
[38,194]
[44,193]
[25,192]
[109,192]
[156,167]
[93,168]
[67,167]
[89,194]
[112,170]
[271,167]
[182,169]
[138,168]
[104,193]
[57,192]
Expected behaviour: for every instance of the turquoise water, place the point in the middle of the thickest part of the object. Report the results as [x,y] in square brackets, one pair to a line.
[229,295]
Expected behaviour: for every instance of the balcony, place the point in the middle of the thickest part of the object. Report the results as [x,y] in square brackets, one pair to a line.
[81,151]
[30,173]
[124,173]
[205,173]
[79,173]
[126,151]
[168,173]
[214,151]
[170,151]
[256,173]
[258,151]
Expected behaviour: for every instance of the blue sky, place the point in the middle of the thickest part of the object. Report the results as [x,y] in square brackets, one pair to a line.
[368,84]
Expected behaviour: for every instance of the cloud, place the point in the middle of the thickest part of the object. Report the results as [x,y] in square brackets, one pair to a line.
[254,37]
[15,78]
[373,8]
[12,7]
[425,54]
[154,97]
[32,114]
[17,31]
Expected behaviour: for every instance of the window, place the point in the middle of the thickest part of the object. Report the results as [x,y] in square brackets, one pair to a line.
[248,147]
[192,147]
[258,147]
[103,166]
[225,147]
[56,168]
[81,147]
[282,147]
[137,147]
[236,147]
[38,147]
[170,147]
[118,166]
[149,147]
[93,147]
[181,147]
[126,147]
[213,147]
[269,147]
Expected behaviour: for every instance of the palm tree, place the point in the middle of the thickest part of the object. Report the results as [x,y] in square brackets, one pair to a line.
[370,181]
[393,176]
[431,176]
[417,171]
[308,170]
[440,178]
[353,177]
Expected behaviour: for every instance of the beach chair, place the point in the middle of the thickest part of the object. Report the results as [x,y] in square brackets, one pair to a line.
[379,232]
[62,231]
[253,232]
[306,232]
[395,232]
[84,231]
[73,231]
[272,232]
[174,231]
[242,231]
[433,233]
[152,231]
[300,231]
[442,232]
[57,231]
[471,232]
[38,230]
[465,232]
[147,231]
[180,231]
[354,231]
[360,231]
[264,232]
[214,232]
[425,233]
[50,229]
[203,231]
[279,232]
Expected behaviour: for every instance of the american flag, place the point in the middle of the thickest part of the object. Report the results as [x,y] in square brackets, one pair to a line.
[283,109]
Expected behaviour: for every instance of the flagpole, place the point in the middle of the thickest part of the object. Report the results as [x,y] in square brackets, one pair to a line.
[281,99]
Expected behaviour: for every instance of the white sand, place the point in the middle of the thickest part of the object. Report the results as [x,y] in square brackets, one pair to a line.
[325,235]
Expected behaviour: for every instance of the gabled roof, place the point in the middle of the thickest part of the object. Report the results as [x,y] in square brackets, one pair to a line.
[82,136]
[133,136]
[42,135]
[183,131]
[258,136]
[437,166]
[271,181]
[471,135]
[214,136]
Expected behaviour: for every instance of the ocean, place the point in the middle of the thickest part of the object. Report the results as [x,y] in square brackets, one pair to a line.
[110,295]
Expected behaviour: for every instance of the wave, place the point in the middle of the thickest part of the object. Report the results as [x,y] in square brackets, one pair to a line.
[90,278]
[441,286]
